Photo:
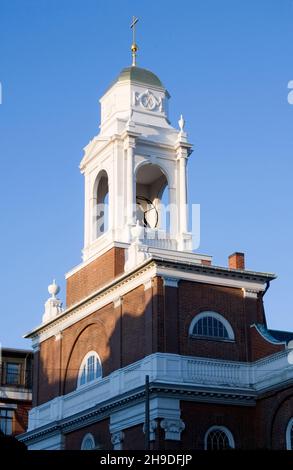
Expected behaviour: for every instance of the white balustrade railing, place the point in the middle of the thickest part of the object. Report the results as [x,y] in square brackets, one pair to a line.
[168,369]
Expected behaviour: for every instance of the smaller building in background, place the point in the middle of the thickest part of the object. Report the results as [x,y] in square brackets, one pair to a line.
[15,390]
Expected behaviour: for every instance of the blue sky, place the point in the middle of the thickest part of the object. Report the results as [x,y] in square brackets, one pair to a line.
[226,64]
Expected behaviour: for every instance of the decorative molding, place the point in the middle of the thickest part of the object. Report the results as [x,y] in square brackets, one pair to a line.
[148,284]
[117,302]
[172,376]
[173,428]
[148,100]
[58,336]
[150,268]
[153,427]
[250,293]
[117,439]
[170,281]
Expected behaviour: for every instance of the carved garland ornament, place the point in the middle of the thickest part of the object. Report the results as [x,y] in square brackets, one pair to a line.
[148,100]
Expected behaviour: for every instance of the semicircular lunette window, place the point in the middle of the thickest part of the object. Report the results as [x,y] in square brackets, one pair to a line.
[211,325]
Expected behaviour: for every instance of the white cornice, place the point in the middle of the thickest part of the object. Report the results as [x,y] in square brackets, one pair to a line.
[130,281]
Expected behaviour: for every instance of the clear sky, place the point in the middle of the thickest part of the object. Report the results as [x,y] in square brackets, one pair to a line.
[226,64]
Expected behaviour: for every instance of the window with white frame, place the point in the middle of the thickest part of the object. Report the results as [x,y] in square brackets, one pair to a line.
[218,438]
[88,442]
[90,369]
[6,418]
[289,435]
[211,325]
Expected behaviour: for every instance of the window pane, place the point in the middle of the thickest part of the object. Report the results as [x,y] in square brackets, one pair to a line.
[82,377]
[217,440]
[91,368]
[210,327]
[6,417]
[98,369]
[12,373]
[88,444]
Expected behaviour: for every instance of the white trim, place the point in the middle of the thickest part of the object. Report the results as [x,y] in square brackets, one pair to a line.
[210,279]
[289,430]
[88,436]
[53,442]
[267,338]
[84,364]
[250,293]
[194,372]
[168,408]
[170,282]
[218,317]
[13,393]
[8,406]
[124,284]
[105,295]
[148,284]
[220,428]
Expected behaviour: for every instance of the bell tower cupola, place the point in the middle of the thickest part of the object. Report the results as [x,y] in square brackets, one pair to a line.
[135,171]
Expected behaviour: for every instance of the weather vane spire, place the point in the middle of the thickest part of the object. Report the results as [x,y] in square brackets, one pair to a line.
[134,47]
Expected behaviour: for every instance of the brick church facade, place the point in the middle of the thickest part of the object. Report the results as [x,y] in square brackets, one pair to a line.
[143,302]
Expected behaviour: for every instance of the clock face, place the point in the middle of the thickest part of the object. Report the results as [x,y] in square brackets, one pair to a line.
[146,212]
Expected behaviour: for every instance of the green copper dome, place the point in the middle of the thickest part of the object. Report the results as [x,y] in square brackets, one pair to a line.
[138,74]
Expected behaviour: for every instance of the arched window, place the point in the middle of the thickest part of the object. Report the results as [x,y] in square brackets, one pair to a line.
[218,438]
[211,325]
[289,435]
[88,442]
[90,369]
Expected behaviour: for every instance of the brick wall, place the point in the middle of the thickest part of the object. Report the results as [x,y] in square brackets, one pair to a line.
[134,438]
[94,275]
[199,417]
[195,298]
[153,320]
[100,432]
[20,419]
[260,347]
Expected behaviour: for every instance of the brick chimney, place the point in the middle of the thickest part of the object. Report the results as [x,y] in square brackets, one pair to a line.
[237,261]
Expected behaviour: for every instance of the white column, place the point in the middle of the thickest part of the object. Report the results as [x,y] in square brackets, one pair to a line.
[129,144]
[182,155]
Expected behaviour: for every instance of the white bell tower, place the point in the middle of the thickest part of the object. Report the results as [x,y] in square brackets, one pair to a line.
[135,171]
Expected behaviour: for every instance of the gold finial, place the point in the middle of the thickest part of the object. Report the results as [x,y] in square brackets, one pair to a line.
[134,47]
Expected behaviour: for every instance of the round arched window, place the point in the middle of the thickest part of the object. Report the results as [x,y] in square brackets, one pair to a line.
[90,369]
[88,442]
[218,438]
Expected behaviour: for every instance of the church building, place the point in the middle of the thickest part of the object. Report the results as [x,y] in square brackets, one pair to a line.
[144,305]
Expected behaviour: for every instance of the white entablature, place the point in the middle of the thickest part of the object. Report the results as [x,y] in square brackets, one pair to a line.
[135,171]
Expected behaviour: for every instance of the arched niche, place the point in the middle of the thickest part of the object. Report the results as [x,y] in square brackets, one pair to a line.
[101,204]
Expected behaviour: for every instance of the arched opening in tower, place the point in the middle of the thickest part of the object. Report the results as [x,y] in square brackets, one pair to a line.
[102,204]
[152,198]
